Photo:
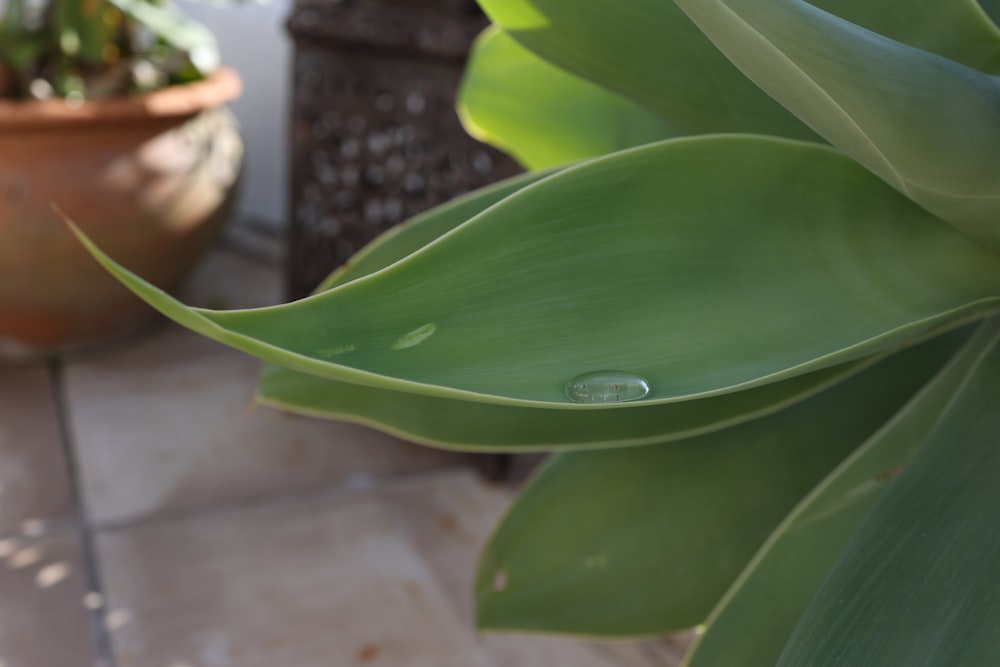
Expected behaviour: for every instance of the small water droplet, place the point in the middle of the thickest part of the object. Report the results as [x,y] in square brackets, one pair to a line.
[607,387]
[337,350]
[415,337]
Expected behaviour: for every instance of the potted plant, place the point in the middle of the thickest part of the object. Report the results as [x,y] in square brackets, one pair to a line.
[767,349]
[114,111]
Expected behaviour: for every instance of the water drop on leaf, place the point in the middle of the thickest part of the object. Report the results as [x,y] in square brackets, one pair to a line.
[606,387]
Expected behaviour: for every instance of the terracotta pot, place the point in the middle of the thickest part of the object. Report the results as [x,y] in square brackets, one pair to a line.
[151,179]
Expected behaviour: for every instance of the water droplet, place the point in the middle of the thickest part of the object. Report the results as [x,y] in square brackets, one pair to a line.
[606,387]
[337,350]
[415,337]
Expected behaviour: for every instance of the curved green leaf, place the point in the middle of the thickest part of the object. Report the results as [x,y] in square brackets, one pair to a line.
[647,539]
[954,29]
[543,115]
[991,8]
[421,229]
[650,52]
[635,263]
[925,124]
[918,585]
[789,569]
[460,424]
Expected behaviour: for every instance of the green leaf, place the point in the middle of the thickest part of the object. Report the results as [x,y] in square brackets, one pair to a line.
[991,8]
[925,124]
[420,230]
[650,52]
[458,424]
[635,263]
[22,49]
[918,585]
[473,425]
[183,33]
[13,18]
[646,540]
[789,569]
[543,115]
[82,32]
[954,29]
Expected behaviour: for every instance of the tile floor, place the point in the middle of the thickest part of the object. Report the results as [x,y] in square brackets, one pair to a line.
[149,518]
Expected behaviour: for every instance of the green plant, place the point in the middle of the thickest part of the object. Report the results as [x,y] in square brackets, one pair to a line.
[770,364]
[86,49]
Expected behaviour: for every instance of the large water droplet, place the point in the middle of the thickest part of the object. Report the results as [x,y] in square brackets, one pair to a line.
[607,387]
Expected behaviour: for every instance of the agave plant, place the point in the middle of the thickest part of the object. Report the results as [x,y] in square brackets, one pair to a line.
[754,315]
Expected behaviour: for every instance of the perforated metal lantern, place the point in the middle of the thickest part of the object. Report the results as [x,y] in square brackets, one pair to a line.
[375,137]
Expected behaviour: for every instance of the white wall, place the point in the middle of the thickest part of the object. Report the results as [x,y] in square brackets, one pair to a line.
[253,40]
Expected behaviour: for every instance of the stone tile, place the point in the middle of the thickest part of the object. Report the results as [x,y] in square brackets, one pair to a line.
[43,622]
[34,479]
[450,516]
[166,423]
[330,581]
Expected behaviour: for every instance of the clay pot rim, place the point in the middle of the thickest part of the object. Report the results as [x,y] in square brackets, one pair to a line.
[178,101]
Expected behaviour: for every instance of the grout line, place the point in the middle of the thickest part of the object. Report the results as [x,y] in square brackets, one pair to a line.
[349,485]
[100,636]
